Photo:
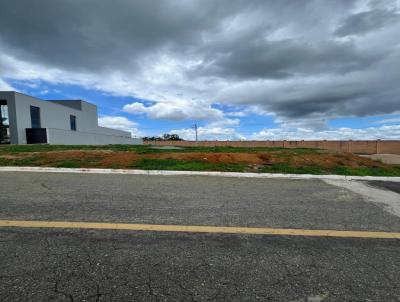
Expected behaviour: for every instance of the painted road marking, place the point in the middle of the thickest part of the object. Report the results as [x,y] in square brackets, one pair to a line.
[196,229]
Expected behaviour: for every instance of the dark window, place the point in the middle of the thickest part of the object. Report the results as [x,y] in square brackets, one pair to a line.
[4,123]
[35,117]
[72,121]
[4,114]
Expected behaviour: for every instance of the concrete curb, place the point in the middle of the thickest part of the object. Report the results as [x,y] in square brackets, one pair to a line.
[194,173]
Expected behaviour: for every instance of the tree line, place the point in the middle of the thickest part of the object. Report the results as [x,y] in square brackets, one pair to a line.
[165,137]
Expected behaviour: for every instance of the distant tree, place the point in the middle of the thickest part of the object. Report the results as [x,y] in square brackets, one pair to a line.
[165,137]
[152,138]
[171,137]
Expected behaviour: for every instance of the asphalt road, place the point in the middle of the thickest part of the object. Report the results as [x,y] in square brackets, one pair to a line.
[112,265]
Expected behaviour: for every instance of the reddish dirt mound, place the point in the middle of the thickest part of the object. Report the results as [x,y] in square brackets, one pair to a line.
[90,158]
[249,158]
[125,159]
[121,159]
[330,160]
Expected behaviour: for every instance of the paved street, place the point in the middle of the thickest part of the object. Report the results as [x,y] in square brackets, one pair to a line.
[50,264]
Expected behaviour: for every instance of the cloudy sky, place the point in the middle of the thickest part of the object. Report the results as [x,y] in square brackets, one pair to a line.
[239,69]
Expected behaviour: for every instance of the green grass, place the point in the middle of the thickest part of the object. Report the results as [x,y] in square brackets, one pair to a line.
[193,165]
[173,164]
[188,165]
[77,163]
[35,161]
[28,161]
[339,170]
[367,171]
[68,164]
[149,149]
[146,149]
[286,168]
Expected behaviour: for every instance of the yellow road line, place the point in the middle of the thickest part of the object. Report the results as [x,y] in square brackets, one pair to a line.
[196,229]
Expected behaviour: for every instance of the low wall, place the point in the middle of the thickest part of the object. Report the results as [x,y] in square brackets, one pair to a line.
[359,147]
[67,137]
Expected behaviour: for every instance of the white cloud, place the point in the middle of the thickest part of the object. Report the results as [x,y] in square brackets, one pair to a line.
[384,132]
[224,129]
[248,110]
[4,86]
[226,122]
[120,123]
[394,120]
[215,131]
[209,133]
[44,91]
[176,110]
[236,113]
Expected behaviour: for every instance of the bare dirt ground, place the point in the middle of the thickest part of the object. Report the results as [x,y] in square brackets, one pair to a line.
[123,159]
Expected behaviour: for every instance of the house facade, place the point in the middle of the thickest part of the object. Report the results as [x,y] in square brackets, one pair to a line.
[28,120]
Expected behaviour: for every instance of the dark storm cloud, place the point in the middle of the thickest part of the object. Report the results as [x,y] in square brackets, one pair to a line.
[359,93]
[294,58]
[364,22]
[94,34]
[283,59]
[331,99]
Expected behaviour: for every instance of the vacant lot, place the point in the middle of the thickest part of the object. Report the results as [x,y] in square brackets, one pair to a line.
[279,160]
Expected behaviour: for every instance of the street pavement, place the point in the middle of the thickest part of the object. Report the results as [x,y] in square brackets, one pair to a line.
[50,264]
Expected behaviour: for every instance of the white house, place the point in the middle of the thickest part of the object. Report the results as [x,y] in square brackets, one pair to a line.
[28,120]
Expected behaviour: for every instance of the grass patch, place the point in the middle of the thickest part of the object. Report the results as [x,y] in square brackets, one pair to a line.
[27,161]
[286,168]
[193,165]
[234,150]
[147,149]
[367,171]
[77,163]
[68,164]
[37,160]
[286,153]
[339,170]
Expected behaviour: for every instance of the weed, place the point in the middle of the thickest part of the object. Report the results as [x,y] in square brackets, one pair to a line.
[68,164]
[27,161]
[286,168]
[193,165]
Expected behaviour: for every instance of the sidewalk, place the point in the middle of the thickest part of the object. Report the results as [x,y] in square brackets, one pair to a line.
[391,159]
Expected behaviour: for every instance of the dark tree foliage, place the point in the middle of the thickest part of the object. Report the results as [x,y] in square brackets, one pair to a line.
[165,137]
[171,137]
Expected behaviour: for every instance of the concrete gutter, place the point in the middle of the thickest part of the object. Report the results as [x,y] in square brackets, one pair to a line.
[194,173]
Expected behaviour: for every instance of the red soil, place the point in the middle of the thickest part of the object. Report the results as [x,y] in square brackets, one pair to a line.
[121,159]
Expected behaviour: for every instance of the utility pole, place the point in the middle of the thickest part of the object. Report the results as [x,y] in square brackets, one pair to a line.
[195,130]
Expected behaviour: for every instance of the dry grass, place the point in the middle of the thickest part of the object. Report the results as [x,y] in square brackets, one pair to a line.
[254,160]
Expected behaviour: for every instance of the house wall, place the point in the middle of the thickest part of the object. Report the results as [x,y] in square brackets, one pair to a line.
[56,118]
[66,137]
[110,131]
[51,115]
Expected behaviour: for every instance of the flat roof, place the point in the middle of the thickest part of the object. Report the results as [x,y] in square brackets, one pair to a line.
[74,104]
